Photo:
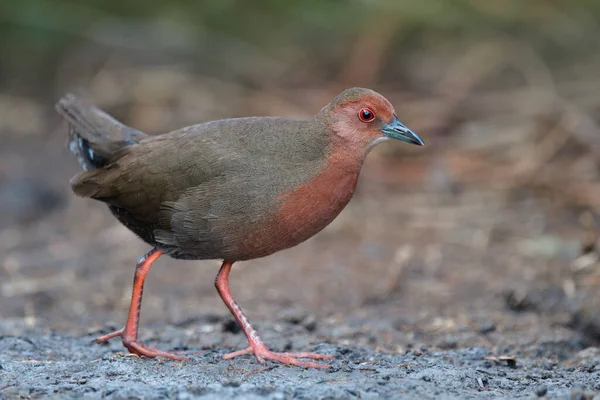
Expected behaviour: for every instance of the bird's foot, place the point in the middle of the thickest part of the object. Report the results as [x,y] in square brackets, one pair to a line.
[138,348]
[107,337]
[262,353]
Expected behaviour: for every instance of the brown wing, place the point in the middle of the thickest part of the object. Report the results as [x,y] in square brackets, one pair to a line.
[144,176]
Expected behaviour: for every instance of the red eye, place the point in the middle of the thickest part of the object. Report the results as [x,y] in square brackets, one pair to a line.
[366,115]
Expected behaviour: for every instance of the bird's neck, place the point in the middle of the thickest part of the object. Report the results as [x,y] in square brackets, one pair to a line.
[340,174]
[348,155]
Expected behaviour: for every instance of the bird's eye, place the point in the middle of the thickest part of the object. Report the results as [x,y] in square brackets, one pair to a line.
[366,115]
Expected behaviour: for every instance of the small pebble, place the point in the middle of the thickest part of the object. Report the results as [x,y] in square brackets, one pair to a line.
[541,391]
[487,327]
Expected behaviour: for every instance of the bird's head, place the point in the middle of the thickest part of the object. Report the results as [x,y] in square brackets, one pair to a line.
[364,118]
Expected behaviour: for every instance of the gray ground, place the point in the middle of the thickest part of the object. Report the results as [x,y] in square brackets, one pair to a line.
[36,363]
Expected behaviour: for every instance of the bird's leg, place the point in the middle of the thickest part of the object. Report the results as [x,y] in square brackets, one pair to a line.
[257,347]
[129,333]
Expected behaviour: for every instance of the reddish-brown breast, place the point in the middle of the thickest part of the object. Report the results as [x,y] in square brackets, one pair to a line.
[311,207]
[307,209]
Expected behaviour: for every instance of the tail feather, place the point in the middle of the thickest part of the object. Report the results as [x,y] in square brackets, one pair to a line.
[94,136]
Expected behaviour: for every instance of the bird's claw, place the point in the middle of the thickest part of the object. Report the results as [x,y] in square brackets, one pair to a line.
[262,353]
[138,348]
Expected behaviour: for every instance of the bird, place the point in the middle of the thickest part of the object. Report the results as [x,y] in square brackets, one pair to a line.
[229,190]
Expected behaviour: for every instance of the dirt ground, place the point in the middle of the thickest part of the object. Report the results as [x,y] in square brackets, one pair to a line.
[39,364]
[418,289]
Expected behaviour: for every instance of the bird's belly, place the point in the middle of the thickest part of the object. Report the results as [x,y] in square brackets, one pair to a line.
[143,230]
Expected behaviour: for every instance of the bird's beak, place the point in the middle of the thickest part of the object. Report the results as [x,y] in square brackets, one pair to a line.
[397,130]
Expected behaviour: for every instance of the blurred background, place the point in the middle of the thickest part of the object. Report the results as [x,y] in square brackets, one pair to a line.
[486,236]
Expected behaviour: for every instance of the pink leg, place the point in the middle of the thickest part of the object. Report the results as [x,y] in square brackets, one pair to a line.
[129,333]
[257,347]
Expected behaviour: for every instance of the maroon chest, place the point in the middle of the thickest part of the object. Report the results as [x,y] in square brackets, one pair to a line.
[305,210]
